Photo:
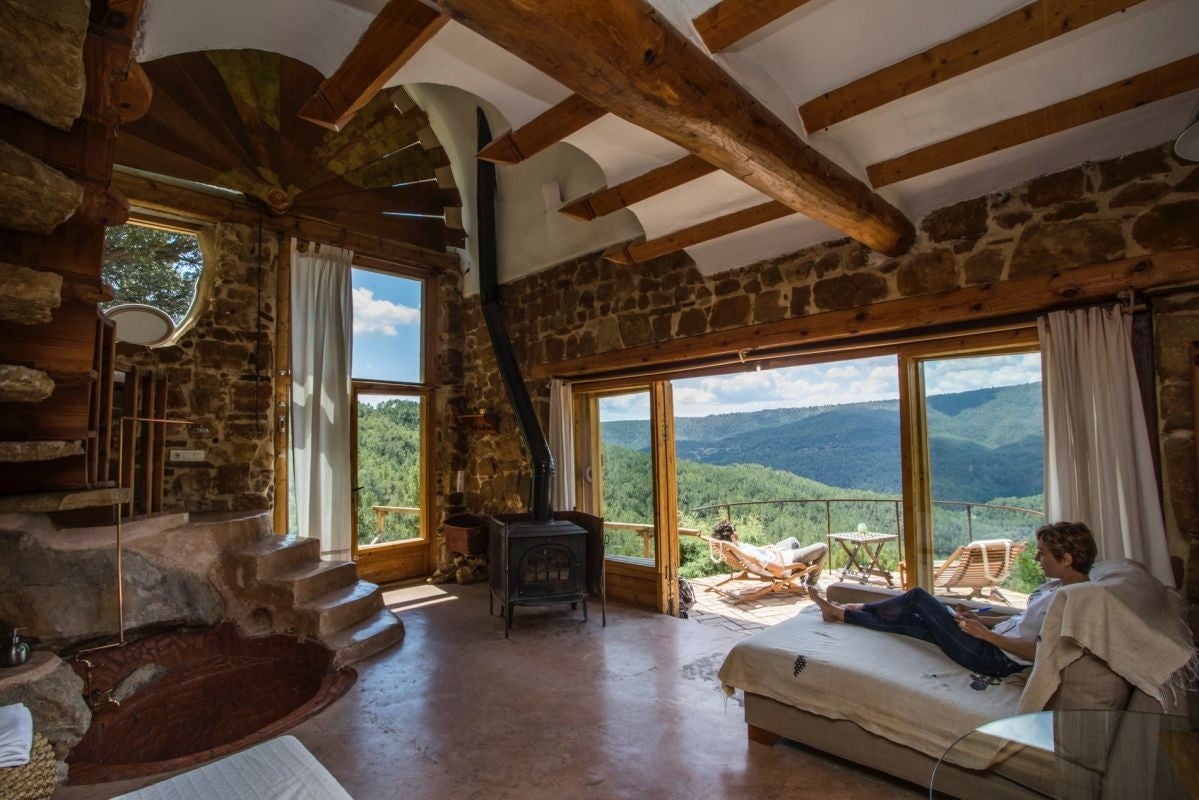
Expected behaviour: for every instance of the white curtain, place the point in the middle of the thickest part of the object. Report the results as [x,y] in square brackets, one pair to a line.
[562,445]
[1098,462]
[321,342]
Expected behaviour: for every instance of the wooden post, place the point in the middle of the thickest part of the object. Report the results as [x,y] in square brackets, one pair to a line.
[281,404]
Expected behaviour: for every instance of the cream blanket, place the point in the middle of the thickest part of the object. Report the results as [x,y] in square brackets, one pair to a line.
[1124,616]
[899,688]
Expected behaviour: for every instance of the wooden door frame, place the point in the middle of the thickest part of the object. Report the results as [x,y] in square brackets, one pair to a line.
[650,586]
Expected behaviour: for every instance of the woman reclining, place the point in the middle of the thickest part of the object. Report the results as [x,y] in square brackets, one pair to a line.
[992,645]
[776,558]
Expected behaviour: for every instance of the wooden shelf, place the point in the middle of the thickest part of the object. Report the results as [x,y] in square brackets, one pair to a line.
[483,422]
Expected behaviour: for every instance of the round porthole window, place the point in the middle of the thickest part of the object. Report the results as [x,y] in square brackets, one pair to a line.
[153,274]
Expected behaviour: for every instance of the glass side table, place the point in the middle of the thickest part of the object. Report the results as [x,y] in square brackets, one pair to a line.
[1074,755]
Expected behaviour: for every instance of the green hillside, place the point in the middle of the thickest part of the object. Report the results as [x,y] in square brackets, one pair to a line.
[984,443]
[388,467]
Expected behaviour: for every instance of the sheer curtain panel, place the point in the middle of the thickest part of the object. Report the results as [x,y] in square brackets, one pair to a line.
[1098,461]
[562,445]
[321,342]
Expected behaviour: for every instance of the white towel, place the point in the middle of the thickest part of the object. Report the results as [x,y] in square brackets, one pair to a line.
[16,735]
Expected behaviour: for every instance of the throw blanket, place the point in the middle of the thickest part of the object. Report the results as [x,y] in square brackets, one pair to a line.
[16,735]
[1123,615]
[902,689]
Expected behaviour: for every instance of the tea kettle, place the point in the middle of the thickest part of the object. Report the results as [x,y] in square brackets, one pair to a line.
[16,653]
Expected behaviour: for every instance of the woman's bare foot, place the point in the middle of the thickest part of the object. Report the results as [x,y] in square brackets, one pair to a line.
[832,612]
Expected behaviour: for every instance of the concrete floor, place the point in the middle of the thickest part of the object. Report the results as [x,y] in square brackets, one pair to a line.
[563,709]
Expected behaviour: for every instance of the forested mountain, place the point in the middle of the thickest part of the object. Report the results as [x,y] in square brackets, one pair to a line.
[984,443]
[388,466]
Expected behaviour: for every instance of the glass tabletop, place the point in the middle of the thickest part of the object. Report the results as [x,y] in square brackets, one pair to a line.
[1074,755]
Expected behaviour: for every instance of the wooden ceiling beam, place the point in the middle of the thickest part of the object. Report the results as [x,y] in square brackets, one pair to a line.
[1021,29]
[1148,87]
[394,36]
[634,190]
[171,199]
[703,232]
[730,21]
[626,59]
[553,126]
[987,301]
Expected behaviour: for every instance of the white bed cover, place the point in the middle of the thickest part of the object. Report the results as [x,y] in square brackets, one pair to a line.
[279,769]
[902,689]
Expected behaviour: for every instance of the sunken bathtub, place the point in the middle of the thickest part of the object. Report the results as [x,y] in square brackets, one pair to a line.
[186,698]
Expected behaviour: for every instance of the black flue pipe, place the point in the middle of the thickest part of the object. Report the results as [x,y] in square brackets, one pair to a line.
[493,314]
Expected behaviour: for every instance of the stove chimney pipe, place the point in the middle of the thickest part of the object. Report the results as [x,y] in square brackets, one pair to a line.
[493,314]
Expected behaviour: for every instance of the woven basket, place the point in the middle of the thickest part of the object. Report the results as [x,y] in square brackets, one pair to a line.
[34,781]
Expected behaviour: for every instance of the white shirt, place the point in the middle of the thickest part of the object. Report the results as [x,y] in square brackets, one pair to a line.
[1027,625]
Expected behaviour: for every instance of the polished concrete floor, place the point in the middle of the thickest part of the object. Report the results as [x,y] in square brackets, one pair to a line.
[563,709]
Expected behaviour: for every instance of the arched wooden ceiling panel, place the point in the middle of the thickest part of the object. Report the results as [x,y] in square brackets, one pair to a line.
[228,118]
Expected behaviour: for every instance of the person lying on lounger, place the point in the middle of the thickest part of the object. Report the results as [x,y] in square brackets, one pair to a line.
[992,645]
[776,557]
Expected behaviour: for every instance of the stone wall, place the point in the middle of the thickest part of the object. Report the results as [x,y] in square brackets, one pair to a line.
[1142,203]
[217,378]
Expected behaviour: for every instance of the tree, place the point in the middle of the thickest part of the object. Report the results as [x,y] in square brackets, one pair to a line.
[156,267]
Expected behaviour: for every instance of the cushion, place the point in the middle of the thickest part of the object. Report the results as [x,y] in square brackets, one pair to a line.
[1089,683]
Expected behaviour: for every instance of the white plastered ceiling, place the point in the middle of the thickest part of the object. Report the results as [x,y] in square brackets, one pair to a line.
[822,45]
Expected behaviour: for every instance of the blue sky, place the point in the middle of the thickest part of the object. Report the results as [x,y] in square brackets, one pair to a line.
[386,327]
[851,381]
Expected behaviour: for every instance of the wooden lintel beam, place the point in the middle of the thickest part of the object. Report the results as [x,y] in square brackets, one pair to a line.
[168,198]
[1023,28]
[703,232]
[401,29]
[730,21]
[625,58]
[551,127]
[1156,84]
[634,190]
[1077,286]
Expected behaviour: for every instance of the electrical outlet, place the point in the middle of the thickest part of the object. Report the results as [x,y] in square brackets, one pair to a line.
[187,455]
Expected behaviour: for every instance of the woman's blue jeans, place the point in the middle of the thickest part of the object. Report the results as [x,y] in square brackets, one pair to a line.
[920,615]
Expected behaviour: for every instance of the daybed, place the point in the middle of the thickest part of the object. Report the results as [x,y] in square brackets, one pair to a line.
[896,704]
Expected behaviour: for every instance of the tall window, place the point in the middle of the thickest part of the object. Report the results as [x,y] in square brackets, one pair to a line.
[391,404]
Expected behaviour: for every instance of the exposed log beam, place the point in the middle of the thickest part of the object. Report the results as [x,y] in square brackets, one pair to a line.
[1148,87]
[634,190]
[1030,295]
[402,28]
[551,127]
[1023,28]
[730,21]
[167,198]
[703,232]
[624,58]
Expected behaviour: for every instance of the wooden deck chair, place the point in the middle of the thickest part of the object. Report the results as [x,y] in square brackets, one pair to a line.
[780,578]
[977,566]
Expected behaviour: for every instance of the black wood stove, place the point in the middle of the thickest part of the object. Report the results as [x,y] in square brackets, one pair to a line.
[541,557]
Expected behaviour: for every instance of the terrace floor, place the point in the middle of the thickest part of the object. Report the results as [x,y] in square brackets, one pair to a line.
[714,610]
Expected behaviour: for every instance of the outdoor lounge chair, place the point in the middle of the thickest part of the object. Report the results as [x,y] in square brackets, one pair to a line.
[977,566]
[788,578]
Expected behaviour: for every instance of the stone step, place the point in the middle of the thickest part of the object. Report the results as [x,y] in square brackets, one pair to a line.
[276,555]
[309,581]
[340,608]
[13,452]
[372,635]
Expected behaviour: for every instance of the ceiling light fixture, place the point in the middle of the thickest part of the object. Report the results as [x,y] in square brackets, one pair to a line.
[1186,146]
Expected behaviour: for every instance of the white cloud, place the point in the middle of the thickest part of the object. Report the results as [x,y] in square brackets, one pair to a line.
[372,315]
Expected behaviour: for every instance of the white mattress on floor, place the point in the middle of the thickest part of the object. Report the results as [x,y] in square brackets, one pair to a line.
[279,769]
